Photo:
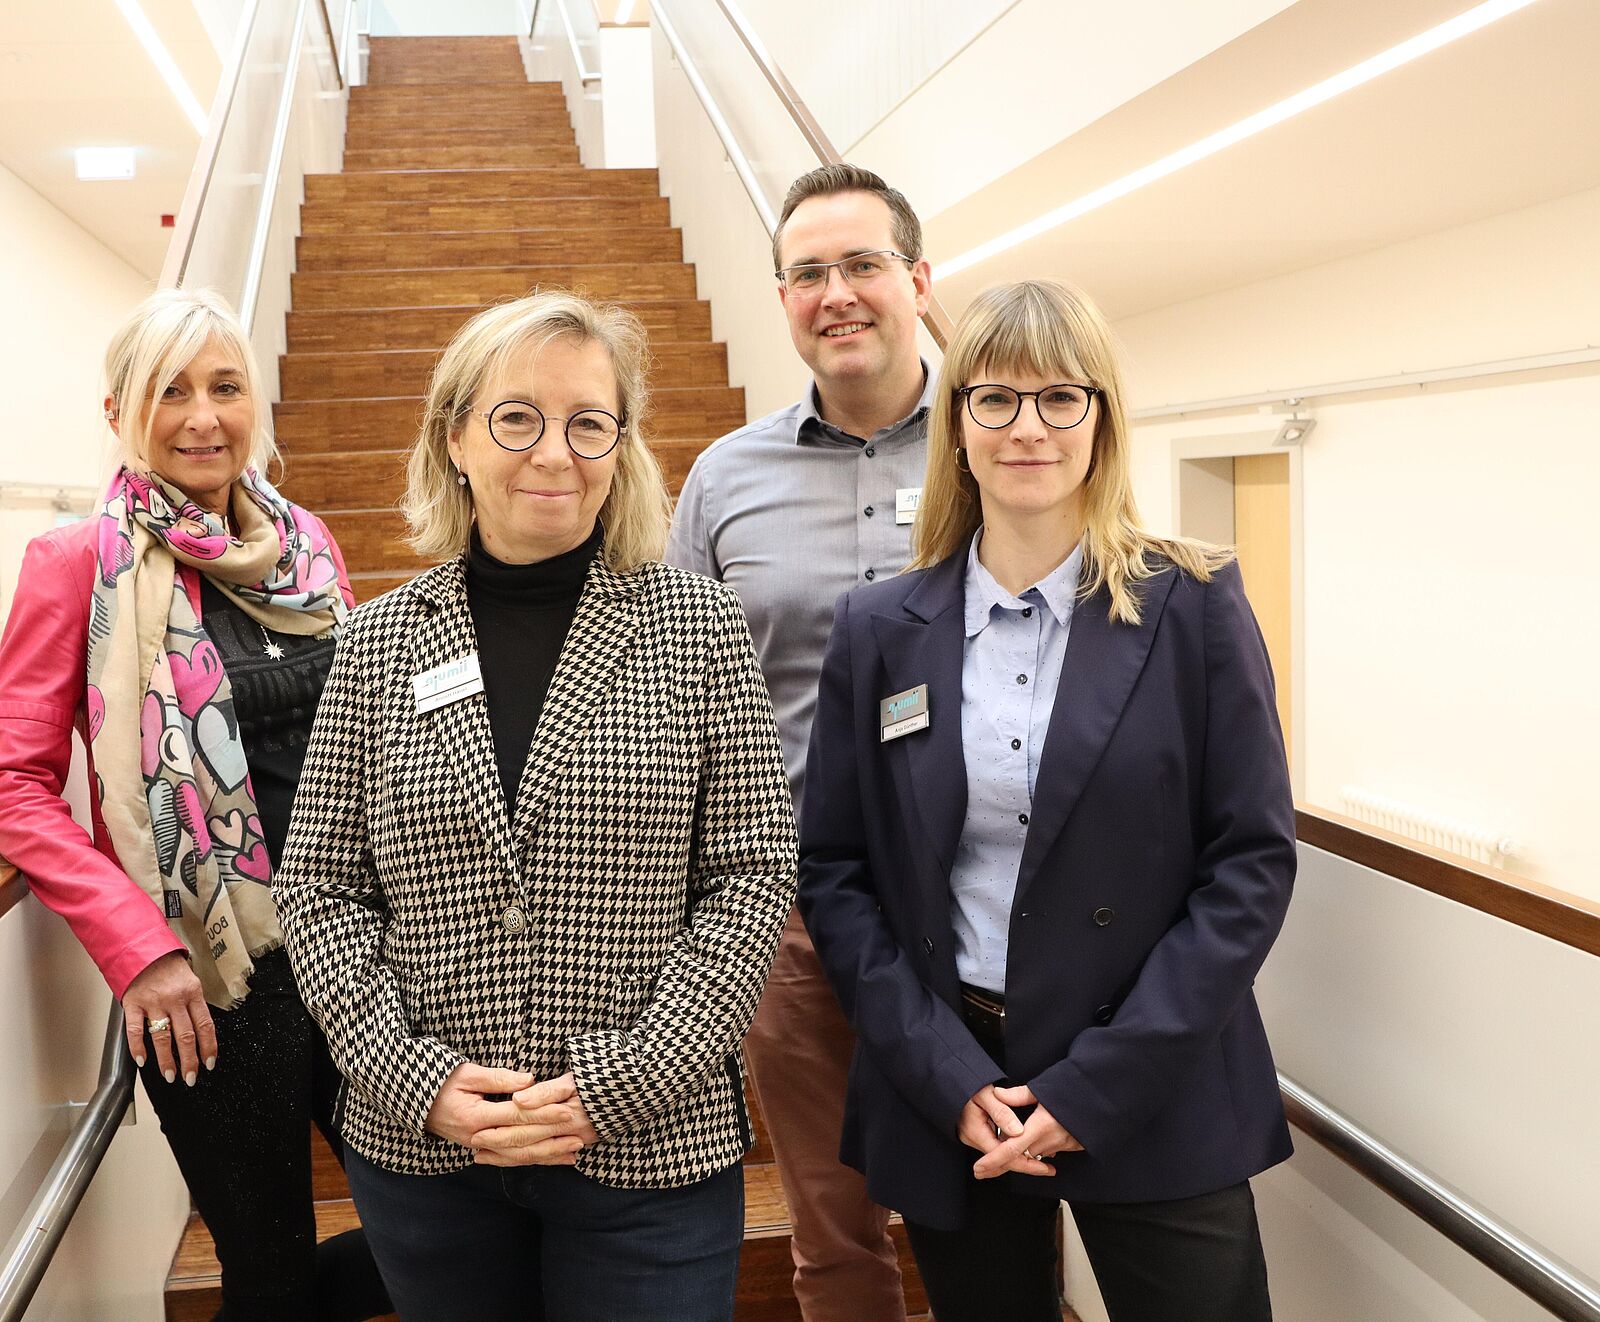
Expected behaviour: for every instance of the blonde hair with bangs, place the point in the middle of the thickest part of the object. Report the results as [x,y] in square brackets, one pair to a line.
[1048,328]
[161,337]
[438,509]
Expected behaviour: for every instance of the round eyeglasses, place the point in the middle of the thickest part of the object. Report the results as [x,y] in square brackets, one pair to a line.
[861,269]
[516,425]
[1060,406]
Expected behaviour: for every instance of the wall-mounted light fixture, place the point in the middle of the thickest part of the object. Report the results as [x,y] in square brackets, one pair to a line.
[93,163]
[1464,24]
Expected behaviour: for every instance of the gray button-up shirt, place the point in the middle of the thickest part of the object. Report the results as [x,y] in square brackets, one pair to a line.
[1010,669]
[791,512]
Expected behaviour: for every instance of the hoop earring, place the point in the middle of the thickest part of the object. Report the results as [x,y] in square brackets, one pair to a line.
[961,459]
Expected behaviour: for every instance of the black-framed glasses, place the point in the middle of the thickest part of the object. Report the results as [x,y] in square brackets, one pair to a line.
[517,425]
[860,269]
[1061,406]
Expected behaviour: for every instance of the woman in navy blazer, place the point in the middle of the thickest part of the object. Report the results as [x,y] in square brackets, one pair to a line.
[1116,1059]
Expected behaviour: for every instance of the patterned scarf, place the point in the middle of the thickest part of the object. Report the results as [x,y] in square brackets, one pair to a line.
[173,785]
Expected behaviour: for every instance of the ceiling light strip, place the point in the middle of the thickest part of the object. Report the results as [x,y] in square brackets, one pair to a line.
[1424,43]
[166,66]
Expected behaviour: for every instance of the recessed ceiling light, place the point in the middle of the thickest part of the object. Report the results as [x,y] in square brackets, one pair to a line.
[1461,25]
[104,162]
[166,66]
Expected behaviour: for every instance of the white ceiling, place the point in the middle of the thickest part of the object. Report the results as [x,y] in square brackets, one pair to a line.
[1500,120]
[72,74]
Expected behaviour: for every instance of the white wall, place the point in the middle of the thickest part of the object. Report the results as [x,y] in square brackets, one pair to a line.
[1041,72]
[1450,621]
[66,293]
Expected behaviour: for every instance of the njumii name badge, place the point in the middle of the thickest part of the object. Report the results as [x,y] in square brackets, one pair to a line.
[903,714]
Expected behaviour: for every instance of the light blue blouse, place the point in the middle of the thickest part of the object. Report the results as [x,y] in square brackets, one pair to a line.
[1011,667]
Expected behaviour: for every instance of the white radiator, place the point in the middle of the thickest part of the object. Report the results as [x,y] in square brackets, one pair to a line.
[1448,834]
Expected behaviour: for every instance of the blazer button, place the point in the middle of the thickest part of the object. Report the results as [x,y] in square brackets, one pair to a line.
[1103,917]
[1103,1015]
[927,944]
[514,920]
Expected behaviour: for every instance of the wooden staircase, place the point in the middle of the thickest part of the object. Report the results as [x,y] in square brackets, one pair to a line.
[454,195]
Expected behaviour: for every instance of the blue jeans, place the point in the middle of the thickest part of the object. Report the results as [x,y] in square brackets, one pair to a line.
[545,1244]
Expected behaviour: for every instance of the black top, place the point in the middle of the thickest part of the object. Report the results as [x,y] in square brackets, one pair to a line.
[274,702]
[521,614]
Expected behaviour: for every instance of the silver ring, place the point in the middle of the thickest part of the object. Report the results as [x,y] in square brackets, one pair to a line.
[161,1025]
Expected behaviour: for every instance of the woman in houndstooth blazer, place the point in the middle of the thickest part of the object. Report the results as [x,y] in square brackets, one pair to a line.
[540,857]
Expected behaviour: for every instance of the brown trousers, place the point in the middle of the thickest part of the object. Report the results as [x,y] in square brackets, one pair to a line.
[798,1049]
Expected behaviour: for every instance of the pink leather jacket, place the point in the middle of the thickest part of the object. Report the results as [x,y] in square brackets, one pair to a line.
[43,674]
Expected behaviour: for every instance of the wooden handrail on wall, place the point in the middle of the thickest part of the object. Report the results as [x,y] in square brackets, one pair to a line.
[1557,914]
[12,887]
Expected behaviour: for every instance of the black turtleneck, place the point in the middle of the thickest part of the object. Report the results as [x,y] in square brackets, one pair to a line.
[521,614]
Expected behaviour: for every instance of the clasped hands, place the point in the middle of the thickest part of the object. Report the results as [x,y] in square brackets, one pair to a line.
[1019,1145]
[541,1124]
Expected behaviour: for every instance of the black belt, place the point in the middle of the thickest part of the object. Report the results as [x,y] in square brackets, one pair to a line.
[985,1011]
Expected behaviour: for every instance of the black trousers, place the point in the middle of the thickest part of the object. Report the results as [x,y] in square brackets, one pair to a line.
[241,1137]
[1189,1260]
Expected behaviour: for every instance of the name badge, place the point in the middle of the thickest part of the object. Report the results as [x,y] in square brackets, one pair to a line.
[903,714]
[448,683]
[906,500]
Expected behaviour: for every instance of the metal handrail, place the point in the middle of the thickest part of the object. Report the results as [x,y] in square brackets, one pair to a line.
[251,293]
[936,319]
[176,265]
[719,122]
[584,76]
[68,1179]
[1549,1282]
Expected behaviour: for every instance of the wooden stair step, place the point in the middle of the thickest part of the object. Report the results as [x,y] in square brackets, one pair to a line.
[644,281]
[416,101]
[532,128]
[522,247]
[358,329]
[462,185]
[406,371]
[509,155]
[485,215]
[307,427]
[423,59]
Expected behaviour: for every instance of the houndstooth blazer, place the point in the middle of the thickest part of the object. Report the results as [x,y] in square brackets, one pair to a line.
[620,926]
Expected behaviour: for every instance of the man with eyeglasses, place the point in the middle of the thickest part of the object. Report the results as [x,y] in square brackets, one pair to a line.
[792,511]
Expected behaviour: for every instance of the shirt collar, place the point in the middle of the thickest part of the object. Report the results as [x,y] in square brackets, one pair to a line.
[811,427]
[1058,590]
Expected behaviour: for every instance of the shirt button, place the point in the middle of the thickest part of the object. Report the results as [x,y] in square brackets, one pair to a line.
[870,452]
[514,920]
[869,575]
[1023,818]
[1016,744]
[1027,612]
[868,511]
[1022,679]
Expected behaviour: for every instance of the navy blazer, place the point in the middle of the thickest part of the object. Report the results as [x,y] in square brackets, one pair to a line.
[1156,871]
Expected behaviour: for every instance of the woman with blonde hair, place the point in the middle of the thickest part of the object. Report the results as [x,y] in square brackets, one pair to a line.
[542,853]
[185,630]
[1047,843]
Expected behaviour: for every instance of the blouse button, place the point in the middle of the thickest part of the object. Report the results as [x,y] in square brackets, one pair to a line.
[1022,679]
[1027,612]
[1016,744]
[1023,818]
[870,575]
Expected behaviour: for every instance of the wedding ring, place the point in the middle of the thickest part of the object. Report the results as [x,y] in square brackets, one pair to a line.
[161,1025]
